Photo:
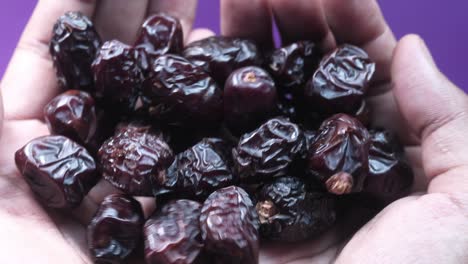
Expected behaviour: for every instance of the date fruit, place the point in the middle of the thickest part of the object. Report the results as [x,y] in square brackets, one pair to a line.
[339,155]
[172,235]
[229,224]
[73,47]
[116,229]
[135,161]
[59,171]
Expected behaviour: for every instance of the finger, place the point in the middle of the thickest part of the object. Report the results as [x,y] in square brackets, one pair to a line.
[436,111]
[120,19]
[29,81]
[183,9]
[198,34]
[303,20]
[247,19]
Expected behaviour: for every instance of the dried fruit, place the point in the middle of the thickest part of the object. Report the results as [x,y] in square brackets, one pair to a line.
[269,150]
[135,161]
[338,157]
[220,56]
[116,229]
[59,171]
[172,235]
[73,48]
[229,225]
[289,212]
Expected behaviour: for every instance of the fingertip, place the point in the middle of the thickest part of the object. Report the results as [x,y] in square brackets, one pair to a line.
[198,34]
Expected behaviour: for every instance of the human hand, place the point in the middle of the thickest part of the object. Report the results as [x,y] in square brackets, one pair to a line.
[409,96]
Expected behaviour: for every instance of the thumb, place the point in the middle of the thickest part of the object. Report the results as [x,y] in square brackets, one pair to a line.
[437,111]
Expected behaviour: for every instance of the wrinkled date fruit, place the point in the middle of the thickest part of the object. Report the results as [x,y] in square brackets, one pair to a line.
[200,170]
[172,235]
[72,114]
[340,82]
[118,76]
[181,93]
[134,161]
[390,177]
[116,229]
[291,66]
[339,155]
[160,34]
[229,225]
[73,47]
[220,56]
[269,150]
[249,98]
[59,171]
[289,212]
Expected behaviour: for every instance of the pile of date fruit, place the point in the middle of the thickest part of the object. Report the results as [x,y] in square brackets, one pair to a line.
[237,145]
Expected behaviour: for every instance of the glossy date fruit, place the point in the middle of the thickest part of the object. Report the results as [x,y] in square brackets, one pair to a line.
[249,99]
[116,229]
[73,47]
[289,212]
[135,161]
[340,82]
[118,76]
[181,93]
[59,171]
[220,56]
[339,155]
[229,224]
[268,151]
[172,235]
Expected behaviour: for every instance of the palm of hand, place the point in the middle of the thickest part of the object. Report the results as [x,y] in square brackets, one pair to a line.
[31,233]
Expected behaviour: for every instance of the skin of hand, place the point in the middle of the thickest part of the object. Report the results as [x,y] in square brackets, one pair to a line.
[409,96]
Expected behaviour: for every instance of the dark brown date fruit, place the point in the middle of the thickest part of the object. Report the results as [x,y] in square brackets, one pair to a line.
[73,47]
[390,177]
[116,229]
[172,235]
[340,82]
[229,224]
[289,212]
[339,155]
[201,169]
[118,76]
[181,93]
[160,34]
[135,161]
[220,56]
[249,99]
[291,66]
[72,114]
[59,171]
[268,151]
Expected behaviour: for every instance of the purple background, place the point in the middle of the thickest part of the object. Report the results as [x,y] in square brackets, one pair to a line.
[441,23]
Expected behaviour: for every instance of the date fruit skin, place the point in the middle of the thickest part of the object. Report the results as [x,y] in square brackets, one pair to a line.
[172,235]
[201,169]
[339,155]
[292,65]
[160,34]
[181,93]
[340,82]
[220,56]
[135,161]
[118,76]
[289,212]
[116,229]
[73,47]
[72,114]
[268,151]
[229,225]
[59,171]
[390,176]
[249,99]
